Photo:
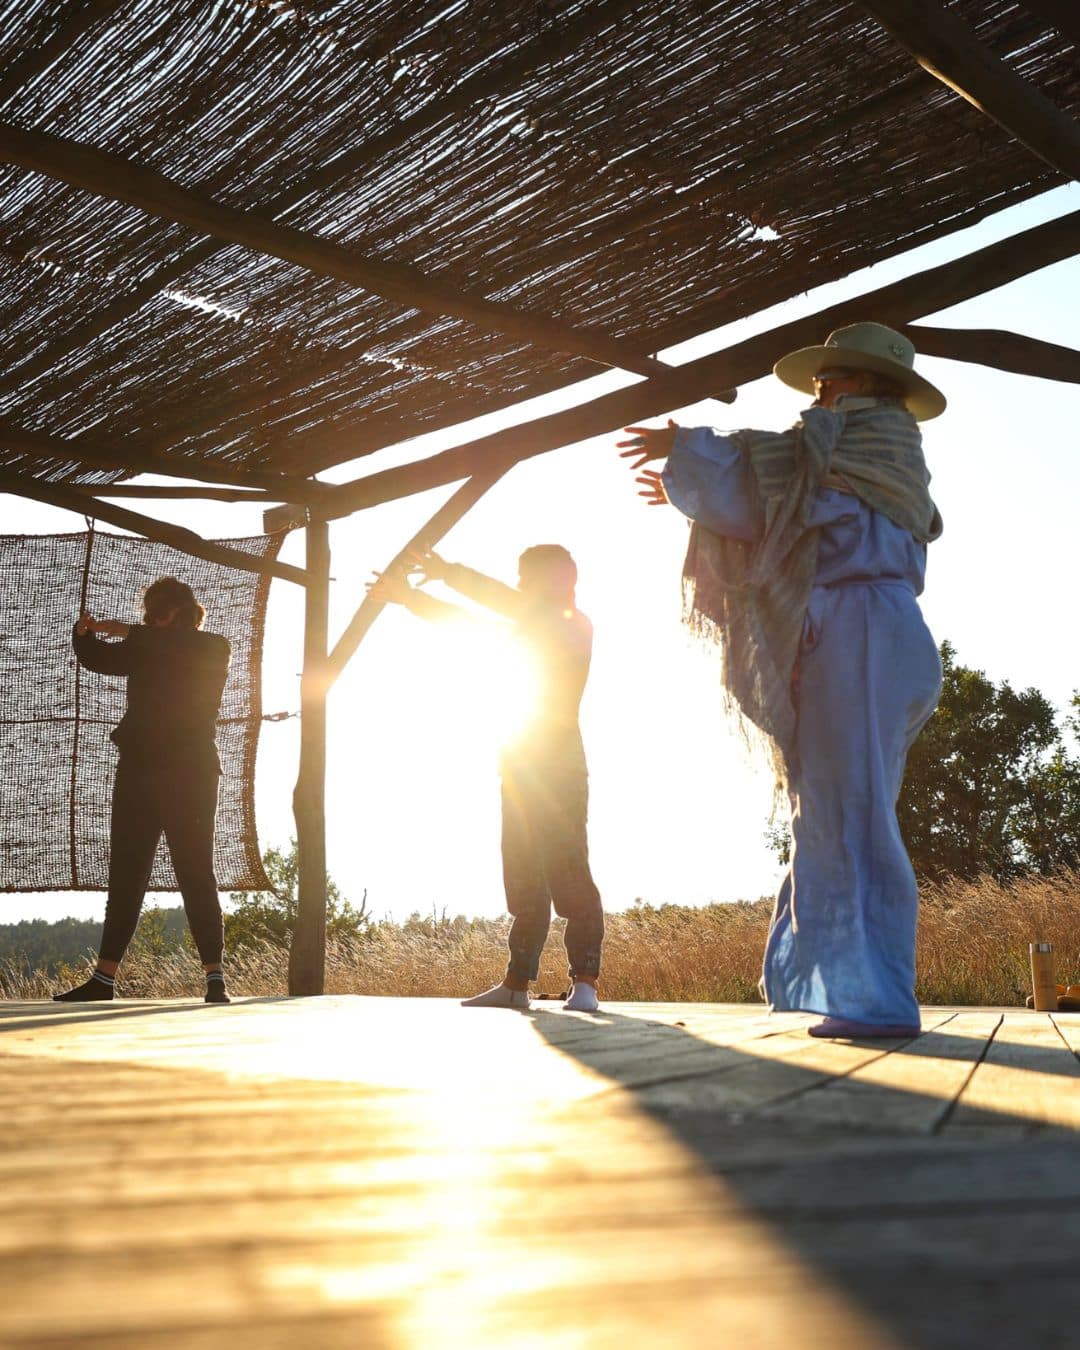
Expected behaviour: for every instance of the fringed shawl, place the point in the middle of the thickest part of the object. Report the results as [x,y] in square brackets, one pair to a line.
[752,598]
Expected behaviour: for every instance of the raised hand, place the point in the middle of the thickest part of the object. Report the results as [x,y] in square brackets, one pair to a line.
[106,627]
[647,443]
[428,563]
[652,488]
[390,588]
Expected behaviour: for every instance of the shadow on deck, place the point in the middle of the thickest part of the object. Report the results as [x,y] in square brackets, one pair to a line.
[371,1172]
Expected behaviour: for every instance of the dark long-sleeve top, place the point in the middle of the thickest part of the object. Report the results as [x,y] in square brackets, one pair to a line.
[175,679]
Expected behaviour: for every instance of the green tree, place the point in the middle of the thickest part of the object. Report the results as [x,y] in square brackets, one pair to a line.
[992,783]
[255,917]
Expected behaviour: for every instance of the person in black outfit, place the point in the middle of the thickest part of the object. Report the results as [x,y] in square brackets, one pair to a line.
[545,784]
[167,775]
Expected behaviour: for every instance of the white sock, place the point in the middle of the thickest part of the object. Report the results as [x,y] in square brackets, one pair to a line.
[499,997]
[583,998]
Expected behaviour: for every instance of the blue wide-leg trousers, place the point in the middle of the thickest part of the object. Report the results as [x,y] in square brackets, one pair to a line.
[842,940]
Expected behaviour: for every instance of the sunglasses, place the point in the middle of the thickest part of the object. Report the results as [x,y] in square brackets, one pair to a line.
[824,376]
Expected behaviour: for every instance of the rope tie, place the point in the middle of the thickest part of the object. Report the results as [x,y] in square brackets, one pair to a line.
[77,721]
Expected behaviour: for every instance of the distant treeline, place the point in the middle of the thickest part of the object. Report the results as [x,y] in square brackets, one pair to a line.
[43,944]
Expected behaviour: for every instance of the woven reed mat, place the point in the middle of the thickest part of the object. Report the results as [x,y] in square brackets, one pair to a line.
[57,759]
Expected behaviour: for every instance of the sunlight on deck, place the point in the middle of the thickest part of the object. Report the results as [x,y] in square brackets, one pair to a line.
[406,1172]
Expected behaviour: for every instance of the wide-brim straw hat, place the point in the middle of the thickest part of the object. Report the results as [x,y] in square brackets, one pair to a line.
[865,346]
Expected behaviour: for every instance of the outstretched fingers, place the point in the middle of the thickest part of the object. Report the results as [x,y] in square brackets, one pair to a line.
[652,488]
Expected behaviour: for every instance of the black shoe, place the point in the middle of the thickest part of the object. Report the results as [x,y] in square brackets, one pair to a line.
[216,992]
[93,991]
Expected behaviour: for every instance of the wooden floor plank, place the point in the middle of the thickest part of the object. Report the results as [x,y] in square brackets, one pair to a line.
[1068,1026]
[910,1089]
[1028,1078]
[369,1172]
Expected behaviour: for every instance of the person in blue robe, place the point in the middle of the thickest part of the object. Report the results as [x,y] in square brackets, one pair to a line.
[807,556]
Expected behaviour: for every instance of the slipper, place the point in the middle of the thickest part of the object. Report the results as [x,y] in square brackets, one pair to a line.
[842,1029]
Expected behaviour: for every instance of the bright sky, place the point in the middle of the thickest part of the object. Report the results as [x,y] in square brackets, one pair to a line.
[677,811]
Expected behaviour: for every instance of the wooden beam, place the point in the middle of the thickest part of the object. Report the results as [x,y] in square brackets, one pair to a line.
[1060,14]
[998,349]
[946,47]
[78,451]
[638,217]
[900,303]
[307,952]
[69,498]
[117,179]
[209,494]
[549,46]
[429,534]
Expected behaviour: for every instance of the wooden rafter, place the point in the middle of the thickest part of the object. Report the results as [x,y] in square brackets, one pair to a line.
[117,179]
[900,303]
[496,78]
[176,536]
[114,491]
[945,46]
[640,216]
[1002,350]
[37,445]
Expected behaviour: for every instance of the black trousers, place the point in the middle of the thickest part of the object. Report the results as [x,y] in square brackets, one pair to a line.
[545,856]
[148,801]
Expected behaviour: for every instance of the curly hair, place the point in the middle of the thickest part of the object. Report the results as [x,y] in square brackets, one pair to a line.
[168,596]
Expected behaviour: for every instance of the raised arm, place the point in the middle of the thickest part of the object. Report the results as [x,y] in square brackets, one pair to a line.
[105,658]
[705,476]
[395,590]
[485,590]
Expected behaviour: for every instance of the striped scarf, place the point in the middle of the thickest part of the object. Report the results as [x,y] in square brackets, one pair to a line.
[751,599]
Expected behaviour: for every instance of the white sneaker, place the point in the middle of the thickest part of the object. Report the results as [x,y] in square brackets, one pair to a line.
[583,998]
[499,997]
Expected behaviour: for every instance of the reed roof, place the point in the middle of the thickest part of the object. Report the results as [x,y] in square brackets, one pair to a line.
[646,170]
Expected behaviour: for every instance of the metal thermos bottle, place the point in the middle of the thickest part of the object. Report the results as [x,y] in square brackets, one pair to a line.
[1043,986]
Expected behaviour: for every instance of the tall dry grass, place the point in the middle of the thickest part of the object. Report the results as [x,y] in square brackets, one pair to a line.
[973,949]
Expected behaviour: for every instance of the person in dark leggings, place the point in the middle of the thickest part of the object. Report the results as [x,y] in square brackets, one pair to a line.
[167,776]
[545,785]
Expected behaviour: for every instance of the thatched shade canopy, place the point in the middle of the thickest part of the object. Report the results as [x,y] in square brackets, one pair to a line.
[631,172]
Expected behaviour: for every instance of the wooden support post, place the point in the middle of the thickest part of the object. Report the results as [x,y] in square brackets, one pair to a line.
[307,955]
[946,47]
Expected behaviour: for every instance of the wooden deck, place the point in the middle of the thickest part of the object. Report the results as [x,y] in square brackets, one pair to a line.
[349,1172]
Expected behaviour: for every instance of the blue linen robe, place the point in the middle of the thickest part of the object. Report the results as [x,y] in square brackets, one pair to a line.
[842,939]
